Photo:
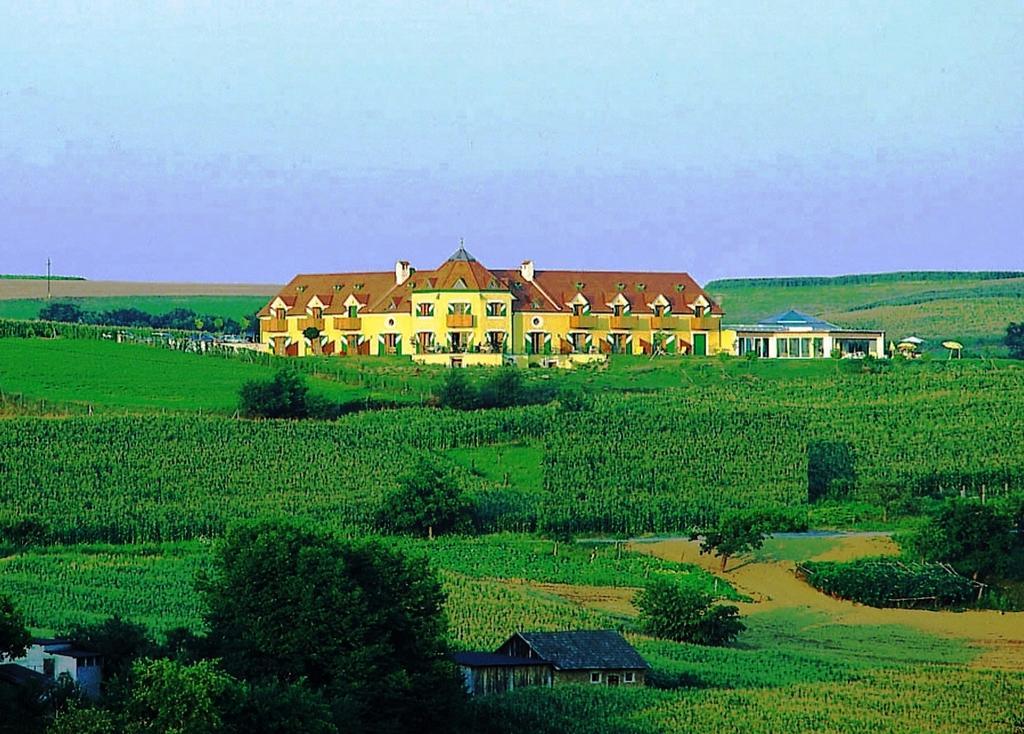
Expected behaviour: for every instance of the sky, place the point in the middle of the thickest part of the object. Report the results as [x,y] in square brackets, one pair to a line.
[245,142]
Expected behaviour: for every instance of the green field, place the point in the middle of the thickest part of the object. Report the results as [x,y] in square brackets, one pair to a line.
[969,308]
[110,377]
[234,307]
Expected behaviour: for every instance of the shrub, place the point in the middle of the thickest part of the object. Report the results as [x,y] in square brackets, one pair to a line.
[885,582]
[427,501]
[673,612]
[283,396]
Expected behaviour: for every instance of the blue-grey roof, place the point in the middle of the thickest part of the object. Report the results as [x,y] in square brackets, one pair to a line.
[794,318]
[585,649]
[462,255]
[493,660]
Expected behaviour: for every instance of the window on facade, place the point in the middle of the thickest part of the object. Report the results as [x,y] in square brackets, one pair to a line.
[536,342]
[425,309]
[460,308]
[426,340]
[496,339]
[49,667]
[578,341]
[459,341]
[495,309]
[318,313]
[629,677]
[819,347]
[595,677]
[353,311]
[618,310]
[619,344]
[281,313]
[577,309]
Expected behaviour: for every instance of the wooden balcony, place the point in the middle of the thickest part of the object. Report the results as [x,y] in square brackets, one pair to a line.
[584,322]
[460,321]
[623,322]
[347,323]
[277,325]
[309,321]
[669,323]
[704,323]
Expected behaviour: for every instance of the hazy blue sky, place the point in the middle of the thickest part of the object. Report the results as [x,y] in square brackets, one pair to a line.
[212,141]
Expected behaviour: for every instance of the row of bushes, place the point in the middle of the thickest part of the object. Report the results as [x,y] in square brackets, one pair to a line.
[184,319]
[885,582]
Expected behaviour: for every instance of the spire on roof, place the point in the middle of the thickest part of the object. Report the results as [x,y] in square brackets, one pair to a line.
[461,254]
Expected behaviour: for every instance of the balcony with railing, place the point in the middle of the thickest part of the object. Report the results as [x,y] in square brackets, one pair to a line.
[703,323]
[277,325]
[669,323]
[460,321]
[309,321]
[347,323]
[584,322]
[623,322]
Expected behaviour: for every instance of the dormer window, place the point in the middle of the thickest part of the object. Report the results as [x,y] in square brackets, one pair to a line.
[317,312]
[353,311]
[641,287]
[680,287]
[280,313]
[300,289]
[620,286]
[578,309]
[618,310]
[338,287]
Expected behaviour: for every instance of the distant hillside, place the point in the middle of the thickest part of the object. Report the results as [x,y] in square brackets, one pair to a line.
[971,307]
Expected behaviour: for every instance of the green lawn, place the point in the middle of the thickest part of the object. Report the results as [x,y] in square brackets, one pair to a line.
[113,377]
[227,306]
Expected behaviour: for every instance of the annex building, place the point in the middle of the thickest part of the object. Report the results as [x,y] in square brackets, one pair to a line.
[796,335]
[462,313]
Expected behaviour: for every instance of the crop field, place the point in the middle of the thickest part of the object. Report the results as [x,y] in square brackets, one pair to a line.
[971,308]
[796,668]
[227,306]
[35,288]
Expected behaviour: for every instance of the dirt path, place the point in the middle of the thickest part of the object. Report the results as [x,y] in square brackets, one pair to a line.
[773,585]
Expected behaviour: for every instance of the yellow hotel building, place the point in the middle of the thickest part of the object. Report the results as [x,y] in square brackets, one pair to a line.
[464,314]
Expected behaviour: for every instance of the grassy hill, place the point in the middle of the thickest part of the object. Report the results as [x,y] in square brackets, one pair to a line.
[973,308]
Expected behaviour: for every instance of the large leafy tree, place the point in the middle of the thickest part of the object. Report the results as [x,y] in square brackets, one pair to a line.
[734,532]
[674,612]
[427,501]
[360,623]
[1015,340]
[975,539]
[120,643]
[14,636]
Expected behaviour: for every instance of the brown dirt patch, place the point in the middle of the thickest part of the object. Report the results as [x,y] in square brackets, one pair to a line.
[10,289]
[858,546]
[773,585]
[614,599]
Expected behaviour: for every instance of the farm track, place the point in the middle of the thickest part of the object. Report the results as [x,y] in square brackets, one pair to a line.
[773,585]
[14,289]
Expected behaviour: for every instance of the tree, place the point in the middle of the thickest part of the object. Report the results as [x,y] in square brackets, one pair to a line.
[120,643]
[273,707]
[455,391]
[675,612]
[427,501]
[78,719]
[734,532]
[502,388]
[360,623]
[283,396]
[69,313]
[14,636]
[1015,340]
[167,696]
[975,539]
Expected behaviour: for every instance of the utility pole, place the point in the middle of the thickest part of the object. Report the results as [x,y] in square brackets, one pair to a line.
[47,279]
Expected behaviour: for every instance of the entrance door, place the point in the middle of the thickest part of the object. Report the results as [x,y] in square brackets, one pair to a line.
[613,680]
[700,344]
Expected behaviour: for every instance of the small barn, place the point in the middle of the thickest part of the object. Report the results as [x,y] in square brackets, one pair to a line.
[488,672]
[592,657]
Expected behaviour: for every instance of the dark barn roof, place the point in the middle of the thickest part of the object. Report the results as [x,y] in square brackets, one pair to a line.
[588,649]
[492,659]
[19,675]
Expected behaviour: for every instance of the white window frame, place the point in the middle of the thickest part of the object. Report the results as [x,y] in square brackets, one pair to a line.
[595,677]
[629,677]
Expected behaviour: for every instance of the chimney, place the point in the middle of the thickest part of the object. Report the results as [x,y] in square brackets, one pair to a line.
[526,270]
[402,272]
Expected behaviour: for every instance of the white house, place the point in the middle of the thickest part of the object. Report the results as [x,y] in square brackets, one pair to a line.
[53,658]
[795,335]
